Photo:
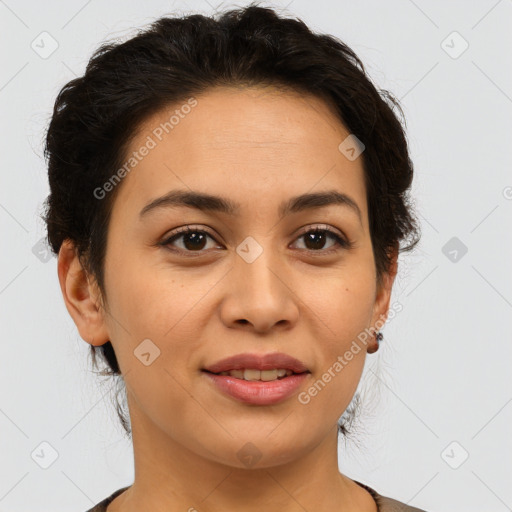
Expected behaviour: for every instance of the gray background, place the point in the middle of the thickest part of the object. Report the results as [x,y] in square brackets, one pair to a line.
[438,391]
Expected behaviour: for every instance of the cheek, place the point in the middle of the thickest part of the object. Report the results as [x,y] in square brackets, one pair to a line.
[342,301]
[164,306]
[153,298]
[343,304]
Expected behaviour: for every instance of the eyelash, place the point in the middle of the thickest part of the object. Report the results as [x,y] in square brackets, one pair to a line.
[342,242]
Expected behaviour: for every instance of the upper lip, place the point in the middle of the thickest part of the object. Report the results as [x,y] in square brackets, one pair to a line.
[258,362]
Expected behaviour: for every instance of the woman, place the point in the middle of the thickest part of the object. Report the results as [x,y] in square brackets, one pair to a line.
[228,197]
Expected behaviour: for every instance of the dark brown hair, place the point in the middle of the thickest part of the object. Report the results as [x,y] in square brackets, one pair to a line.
[96,116]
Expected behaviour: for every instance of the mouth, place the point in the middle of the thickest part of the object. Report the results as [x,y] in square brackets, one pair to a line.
[267,364]
[253,374]
[256,391]
[258,379]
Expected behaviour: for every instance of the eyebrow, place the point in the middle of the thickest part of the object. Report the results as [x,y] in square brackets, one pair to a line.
[210,203]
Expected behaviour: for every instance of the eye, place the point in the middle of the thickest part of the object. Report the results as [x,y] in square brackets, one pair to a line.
[315,238]
[194,239]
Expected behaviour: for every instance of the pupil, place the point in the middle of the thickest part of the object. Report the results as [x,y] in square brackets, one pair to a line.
[195,238]
[319,242]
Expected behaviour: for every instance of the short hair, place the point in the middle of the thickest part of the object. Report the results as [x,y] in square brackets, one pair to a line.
[96,115]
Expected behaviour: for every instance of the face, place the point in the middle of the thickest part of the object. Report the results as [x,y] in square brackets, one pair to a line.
[251,280]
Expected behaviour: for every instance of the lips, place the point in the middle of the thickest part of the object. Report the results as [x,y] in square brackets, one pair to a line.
[257,392]
[258,362]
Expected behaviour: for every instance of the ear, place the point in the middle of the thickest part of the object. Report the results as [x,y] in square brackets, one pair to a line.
[80,296]
[383,295]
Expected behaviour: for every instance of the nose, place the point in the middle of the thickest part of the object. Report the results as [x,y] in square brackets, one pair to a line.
[260,296]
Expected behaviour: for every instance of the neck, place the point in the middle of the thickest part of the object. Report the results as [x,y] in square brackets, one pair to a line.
[171,477]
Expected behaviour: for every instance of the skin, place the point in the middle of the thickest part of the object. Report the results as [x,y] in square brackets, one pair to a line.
[257,146]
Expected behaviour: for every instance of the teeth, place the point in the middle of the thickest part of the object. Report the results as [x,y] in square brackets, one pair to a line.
[264,375]
[256,374]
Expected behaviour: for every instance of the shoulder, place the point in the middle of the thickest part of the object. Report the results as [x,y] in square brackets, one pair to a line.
[386,504]
[102,505]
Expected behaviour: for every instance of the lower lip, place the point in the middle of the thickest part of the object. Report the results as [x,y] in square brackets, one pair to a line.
[258,392]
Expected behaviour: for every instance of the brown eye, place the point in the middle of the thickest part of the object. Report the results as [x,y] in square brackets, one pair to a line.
[195,240]
[315,240]
[192,239]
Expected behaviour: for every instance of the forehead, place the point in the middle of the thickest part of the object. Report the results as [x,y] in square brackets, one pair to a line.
[243,142]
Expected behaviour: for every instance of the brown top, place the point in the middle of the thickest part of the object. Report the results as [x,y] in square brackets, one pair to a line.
[384,504]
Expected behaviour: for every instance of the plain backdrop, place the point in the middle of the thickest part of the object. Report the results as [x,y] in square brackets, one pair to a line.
[438,434]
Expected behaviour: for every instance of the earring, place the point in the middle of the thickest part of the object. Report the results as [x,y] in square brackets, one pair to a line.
[378,338]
